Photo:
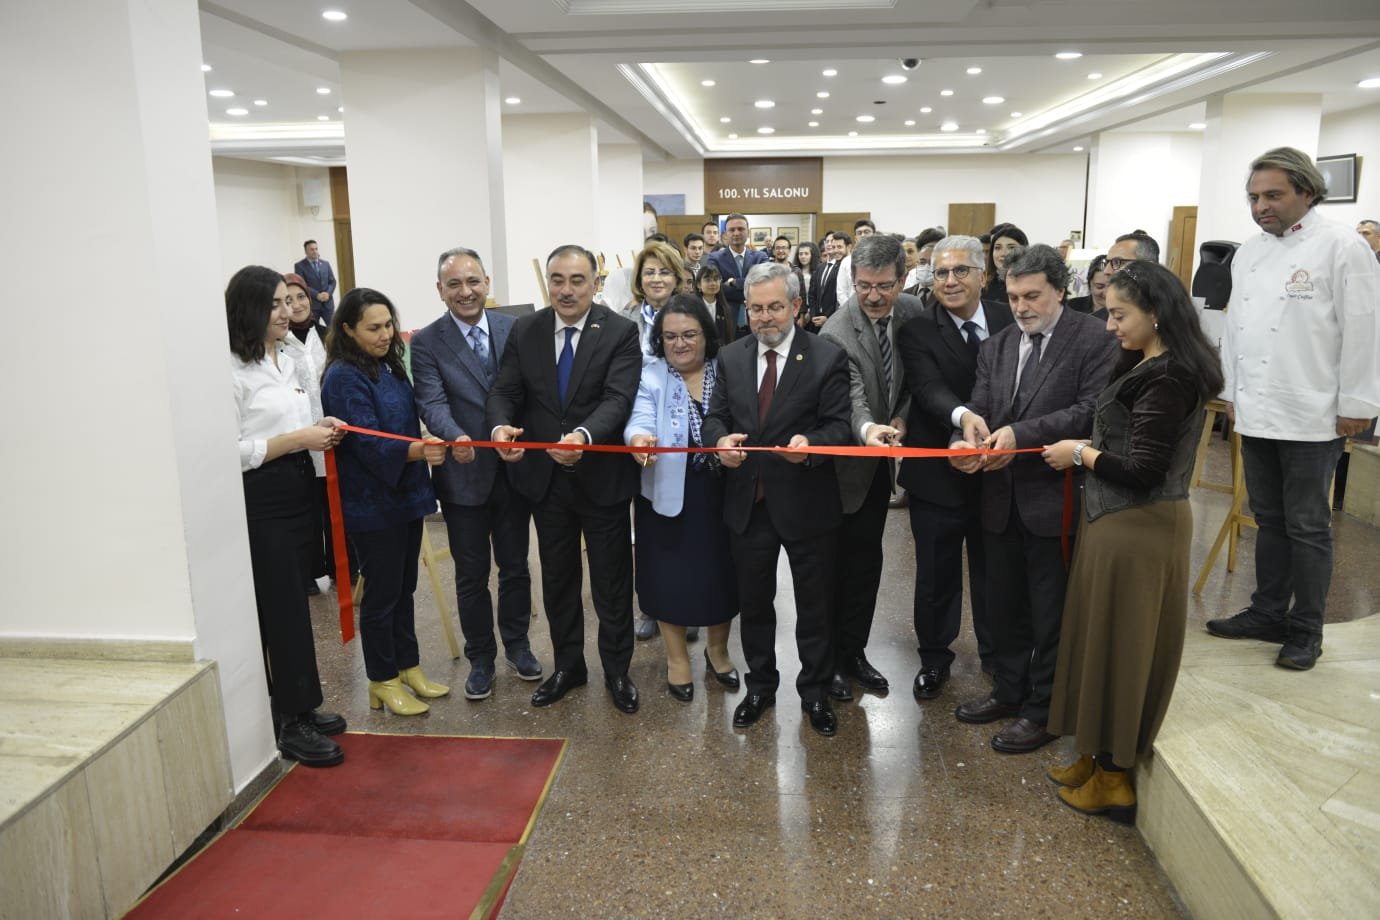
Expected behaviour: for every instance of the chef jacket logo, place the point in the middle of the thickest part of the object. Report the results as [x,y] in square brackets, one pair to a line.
[1299,287]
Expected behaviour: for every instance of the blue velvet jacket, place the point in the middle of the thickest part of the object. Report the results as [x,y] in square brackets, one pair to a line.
[378,486]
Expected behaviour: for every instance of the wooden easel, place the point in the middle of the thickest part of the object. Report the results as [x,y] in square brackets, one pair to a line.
[430,558]
[1236,517]
[1213,409]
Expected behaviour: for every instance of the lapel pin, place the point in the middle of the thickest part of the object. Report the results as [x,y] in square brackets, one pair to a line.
[593,325]
[799,356]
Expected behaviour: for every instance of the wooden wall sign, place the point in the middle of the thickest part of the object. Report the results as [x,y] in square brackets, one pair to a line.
[762,185]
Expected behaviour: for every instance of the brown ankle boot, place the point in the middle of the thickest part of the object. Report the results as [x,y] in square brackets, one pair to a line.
[1075,774]
[1104,793]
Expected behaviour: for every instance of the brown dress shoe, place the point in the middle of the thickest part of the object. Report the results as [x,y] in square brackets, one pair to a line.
[988,709]
[1021,737]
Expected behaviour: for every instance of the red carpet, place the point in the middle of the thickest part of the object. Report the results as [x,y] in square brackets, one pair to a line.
[409,826]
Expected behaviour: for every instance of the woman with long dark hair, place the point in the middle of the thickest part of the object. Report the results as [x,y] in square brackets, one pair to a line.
[277,429]
[709,285]
[385,491]
[1007,240]
[806,262]
[1127,599]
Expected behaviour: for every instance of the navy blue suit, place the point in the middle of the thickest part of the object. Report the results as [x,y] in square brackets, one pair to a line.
[723,260]
[319,279]
[479,505]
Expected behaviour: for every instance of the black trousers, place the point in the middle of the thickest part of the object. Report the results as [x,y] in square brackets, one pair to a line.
[388,560]
[1025,589]
[278,504]
[858,570]
[561,518]
[503,522]
[940,533]
[755,551]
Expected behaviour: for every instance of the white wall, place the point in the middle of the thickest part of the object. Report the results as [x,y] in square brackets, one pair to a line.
[676,177]
[1355,131]
[620,200]
[261,218]
[1137,180]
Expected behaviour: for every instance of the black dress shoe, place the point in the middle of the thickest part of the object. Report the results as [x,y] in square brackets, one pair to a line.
[1250,624]
[1021,737]
[623,691]
[751,709]
[646,627]
[822,718]
[980,712]
[929,682]
[300,741]
[327,723]
[728,678]
[1299,654]
[558,685]
[683,692]
[841,688]
[868,677]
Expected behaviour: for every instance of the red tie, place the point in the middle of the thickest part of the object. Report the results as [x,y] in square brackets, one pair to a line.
[765,392]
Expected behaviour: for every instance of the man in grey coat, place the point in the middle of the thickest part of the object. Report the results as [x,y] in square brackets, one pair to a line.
[866,327]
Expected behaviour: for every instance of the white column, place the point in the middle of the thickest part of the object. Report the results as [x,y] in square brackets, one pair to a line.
[1135,181]
[423,145]
[124,510]
[620,200]
[551,183]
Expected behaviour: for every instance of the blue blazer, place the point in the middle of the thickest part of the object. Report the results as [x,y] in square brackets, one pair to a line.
[318,281]
[452,387]
[723,260]
[662,408]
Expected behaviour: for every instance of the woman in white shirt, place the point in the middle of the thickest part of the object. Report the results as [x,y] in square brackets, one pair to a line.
[276,432]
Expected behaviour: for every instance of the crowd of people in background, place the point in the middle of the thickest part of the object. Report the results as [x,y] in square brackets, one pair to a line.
[991,346]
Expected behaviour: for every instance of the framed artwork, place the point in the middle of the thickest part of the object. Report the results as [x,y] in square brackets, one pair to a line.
[790,233]
[761,236]
[1340,173]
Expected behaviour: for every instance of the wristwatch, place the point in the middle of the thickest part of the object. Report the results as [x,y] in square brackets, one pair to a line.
[1078,453]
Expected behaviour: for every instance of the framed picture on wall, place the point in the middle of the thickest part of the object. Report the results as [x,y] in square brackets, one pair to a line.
[1340,173]
[790,233]
[761,235]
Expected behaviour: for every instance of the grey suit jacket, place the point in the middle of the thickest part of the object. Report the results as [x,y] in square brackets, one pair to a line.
[850,328]
[1076,366]
[452,387]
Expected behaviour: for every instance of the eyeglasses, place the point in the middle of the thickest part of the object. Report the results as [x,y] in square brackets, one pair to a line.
[689,338]
[657,273]
[1117,265]
[865,288]
[958,271]
[776,309]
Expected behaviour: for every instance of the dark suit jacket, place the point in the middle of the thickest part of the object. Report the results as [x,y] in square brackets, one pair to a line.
[452,389]
[723,260]
[867,390]
[318,280]
[1076,366]
[599,398]
[940,373]
[823,296]
[1080,304]
[811,399]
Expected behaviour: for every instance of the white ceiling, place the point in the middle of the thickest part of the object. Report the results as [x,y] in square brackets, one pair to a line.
[637,67]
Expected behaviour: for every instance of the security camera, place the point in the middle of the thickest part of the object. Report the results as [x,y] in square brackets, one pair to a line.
[910,63]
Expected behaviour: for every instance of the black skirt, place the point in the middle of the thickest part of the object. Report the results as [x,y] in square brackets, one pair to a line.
[684,565]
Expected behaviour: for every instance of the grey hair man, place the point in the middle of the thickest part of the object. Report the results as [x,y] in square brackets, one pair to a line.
[1136,246]
[1370,232]
[1302,375]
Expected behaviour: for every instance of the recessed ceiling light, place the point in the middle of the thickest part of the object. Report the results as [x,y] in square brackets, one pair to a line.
[865,119]
[1370,83]
[993,100]
[733,137]
[974,71]
[822,94]
[816,111]
[830,72]
[222,93]
[513,100]
[766,130]
[261,102]
[759,61]
[725,120]
[980,131]
[852,133]
[893,79]
[707,83]
[341,110]
[946,92]
[949,126]
[1094,76]
[323,118]
[910,122]
[1197,125]
[334,16]
[1069,55]
[1017,114]
[814,124]
[765,104]
[1077,149]
[323,91]
[236,111]
[925,110]
[205,68]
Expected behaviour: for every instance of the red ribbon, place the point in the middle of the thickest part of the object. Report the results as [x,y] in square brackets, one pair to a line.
[342,563]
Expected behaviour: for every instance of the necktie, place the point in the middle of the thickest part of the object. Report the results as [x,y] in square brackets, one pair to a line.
[481,350]
[970,334]
[738,257]
[565,362]
[1026,387]
[765,391]
[885,342]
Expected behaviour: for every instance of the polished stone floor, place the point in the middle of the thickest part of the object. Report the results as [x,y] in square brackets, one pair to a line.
[906,813]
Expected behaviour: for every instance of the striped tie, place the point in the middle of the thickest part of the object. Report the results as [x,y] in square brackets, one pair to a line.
[885,341]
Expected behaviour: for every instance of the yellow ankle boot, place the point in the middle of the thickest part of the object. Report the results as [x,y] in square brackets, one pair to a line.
[1104,793]
[419,683]
[1075,774]
[390,693]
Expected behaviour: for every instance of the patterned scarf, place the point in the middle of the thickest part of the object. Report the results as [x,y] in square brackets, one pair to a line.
[681,399]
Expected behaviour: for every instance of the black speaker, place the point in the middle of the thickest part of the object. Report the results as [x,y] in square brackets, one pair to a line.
[1212,281]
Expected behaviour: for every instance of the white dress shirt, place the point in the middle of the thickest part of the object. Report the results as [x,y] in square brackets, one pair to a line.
[1302,344]
[268,402]
[561,326]
[845,283]
[980,318]
[309,359]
